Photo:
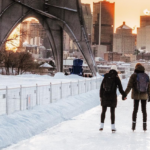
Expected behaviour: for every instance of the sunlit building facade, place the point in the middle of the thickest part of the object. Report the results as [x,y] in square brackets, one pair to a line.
[103,24]
[144,20]
[143,34]
[32,39]
[32,33]
[29,36]
[123,40]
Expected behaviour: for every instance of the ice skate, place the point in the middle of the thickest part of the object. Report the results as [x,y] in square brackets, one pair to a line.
[133,125]
[144,126]
[101,127]
[113,128]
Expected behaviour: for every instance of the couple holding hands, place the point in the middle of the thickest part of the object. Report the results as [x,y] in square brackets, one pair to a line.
[140,85]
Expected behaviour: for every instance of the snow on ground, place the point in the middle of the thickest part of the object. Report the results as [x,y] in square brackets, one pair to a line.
[81,133]
[22,125]
[31,79]
[25,124]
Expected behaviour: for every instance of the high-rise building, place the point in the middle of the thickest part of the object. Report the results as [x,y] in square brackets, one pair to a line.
[103,23]
[143,34]
[124,40]
[33,39]
[87,14]
[144,21]
[32,32]
[68,44]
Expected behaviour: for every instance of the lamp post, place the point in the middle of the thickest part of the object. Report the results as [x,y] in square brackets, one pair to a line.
[136,52]
[143,54]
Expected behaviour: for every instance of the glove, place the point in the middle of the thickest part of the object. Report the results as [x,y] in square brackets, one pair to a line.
[123,97]
[149,99]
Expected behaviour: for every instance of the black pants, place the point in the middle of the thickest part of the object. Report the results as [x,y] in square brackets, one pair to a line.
[112,111]
[143,108]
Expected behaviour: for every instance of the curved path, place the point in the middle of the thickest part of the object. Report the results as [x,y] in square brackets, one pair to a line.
[81,133]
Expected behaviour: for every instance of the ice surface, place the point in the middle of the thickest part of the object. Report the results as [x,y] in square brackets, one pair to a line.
[22,125]
[82,132]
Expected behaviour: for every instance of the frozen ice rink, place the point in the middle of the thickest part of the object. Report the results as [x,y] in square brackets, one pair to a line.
[81,132]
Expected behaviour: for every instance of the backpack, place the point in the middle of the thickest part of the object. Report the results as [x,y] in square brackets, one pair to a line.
[109,84]
[142,81]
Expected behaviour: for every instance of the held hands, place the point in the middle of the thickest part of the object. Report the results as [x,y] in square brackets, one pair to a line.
[124,98]
[149,99]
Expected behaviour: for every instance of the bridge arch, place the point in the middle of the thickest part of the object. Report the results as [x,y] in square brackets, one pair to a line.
[56,18]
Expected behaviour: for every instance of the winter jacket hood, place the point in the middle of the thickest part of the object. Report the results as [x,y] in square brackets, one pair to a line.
[114,67]
[113,73]
[131,85]
[139,68]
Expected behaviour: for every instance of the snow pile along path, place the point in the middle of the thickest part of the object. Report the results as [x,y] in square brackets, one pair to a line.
[81,133]
[33,79]
[22,125]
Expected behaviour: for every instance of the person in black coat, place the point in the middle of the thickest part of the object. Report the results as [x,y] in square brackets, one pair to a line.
[110,99]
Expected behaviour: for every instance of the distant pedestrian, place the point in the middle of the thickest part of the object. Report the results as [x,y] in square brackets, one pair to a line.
[108,95]
[139,83]
[90,76]
[66,73]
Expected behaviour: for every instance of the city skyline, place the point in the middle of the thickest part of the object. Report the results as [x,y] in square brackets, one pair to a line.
[127,10]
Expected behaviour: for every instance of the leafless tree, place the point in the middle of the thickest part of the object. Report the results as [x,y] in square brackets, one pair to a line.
[25,62]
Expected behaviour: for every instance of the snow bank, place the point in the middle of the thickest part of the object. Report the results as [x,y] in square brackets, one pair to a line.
[46,65]
[73,76]
[98,75]
[22,125]
[60,75]
[33,79]
[81,132]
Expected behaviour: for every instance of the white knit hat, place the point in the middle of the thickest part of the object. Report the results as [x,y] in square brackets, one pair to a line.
[114,67]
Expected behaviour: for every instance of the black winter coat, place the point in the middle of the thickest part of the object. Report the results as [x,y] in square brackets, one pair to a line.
[110,100]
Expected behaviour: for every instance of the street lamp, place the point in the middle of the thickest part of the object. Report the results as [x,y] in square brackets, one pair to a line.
[142,52]
[136,52]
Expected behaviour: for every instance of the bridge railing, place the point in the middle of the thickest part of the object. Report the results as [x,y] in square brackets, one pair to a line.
[25,98]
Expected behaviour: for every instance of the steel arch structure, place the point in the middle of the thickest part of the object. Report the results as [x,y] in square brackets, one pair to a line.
[55,16]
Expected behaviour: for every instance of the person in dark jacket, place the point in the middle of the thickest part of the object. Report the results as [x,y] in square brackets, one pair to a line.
[137,97]
[110,100]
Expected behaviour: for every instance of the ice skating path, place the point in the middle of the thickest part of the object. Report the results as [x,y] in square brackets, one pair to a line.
[81,133]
